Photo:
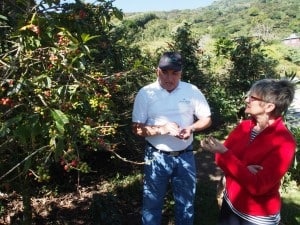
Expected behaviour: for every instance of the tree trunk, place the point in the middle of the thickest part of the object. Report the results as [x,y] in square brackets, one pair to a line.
[27,208]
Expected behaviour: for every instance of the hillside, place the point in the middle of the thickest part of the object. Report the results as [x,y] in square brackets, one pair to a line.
[272,19]
[267,20]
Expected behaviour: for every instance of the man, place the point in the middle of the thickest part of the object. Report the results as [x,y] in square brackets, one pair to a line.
[164,113]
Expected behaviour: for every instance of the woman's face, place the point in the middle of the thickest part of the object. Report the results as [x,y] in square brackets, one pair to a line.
[256,106]
[168,79]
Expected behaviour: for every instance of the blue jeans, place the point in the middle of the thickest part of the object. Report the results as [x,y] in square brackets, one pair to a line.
[180,171]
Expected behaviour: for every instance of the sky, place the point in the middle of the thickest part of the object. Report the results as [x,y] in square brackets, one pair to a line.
[157,5]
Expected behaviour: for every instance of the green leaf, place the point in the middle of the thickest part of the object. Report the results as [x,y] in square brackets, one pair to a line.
[5,128]
[86,37]
[62,90]
[3,17]
[118,13]
[27,164]
[44,81]
[60,119]
[59,147]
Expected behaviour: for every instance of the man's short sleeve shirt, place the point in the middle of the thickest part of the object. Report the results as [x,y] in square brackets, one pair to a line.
[155,106]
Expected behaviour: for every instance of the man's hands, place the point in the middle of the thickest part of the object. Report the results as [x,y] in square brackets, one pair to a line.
[174,129]
[171,128]
[185,133]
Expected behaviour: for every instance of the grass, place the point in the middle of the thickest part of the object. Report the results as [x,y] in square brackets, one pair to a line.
[290,212]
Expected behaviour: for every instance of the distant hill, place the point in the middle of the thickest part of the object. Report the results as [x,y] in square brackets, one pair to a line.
[268,19]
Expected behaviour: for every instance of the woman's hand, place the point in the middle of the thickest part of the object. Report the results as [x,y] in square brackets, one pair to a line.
[254,169]
[213,145]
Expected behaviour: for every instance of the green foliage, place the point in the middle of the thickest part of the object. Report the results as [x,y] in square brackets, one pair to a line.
[141,22]
[293,55]
[187,45]
[64,100]
[58,89]
[295,168]
[248,63]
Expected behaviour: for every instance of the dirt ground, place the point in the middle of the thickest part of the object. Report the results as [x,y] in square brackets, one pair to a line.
[77,207]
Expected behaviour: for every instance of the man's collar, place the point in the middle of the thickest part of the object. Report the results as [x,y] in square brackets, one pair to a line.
[160,87]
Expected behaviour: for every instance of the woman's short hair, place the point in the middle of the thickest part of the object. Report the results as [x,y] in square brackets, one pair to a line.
[279,92]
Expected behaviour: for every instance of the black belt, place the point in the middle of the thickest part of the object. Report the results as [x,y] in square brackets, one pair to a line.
[172,153]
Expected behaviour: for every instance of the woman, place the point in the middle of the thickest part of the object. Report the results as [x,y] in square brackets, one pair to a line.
[255,156]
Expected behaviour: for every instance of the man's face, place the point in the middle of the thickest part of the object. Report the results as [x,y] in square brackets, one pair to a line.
[168,79]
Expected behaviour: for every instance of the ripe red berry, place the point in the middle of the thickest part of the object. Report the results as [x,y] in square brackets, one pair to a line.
[66,167]
[74,163]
